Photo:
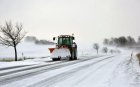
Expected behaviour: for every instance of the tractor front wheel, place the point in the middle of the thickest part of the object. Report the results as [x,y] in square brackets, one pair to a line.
[56,59]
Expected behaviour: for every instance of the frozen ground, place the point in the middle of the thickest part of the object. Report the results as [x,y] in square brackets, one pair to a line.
[28,50]
[90,70]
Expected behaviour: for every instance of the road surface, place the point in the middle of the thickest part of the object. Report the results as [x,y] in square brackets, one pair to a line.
[88,71]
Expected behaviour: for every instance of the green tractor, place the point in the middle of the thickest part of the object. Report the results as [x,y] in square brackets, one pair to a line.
[65,48]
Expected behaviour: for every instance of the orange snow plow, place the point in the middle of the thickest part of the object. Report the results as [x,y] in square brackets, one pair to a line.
[51,50]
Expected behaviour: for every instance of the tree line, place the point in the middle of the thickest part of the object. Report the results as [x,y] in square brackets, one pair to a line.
[104,49]
[121,41]
[38,42]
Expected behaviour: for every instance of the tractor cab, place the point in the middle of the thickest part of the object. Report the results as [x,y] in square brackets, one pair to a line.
[66,40]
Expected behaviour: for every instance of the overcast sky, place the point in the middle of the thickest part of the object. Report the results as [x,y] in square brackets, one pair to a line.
[90,20]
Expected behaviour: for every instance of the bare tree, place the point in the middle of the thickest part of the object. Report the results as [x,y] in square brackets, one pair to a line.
[106,41]
[96,47]
[111,51]
[11,35]
[105,50]
[130,41]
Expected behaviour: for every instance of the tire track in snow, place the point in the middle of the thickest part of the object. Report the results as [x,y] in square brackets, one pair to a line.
[14,69]
[28,73]
[19,69]
[62,76]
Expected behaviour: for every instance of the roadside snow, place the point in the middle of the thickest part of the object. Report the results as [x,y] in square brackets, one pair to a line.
[19,63]
[111,72]
[25,62]
[127,74]
[114,73]
[40,77]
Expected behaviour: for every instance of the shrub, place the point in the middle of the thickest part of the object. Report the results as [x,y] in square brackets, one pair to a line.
[138,56]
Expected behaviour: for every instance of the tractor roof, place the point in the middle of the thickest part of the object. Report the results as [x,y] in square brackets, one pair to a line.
[65,36]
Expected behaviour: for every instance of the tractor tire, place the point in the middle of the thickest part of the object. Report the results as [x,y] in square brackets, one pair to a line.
[72,55]
[75,54]
[56,59]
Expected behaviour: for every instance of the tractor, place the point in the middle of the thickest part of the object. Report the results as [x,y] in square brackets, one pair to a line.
[65,48]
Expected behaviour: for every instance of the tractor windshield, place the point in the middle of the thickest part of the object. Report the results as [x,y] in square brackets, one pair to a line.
[65,41]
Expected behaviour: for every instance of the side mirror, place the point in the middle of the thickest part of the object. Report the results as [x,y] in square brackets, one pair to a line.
[53,38]
[73,38]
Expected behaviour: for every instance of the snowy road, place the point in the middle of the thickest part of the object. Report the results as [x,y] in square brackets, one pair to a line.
[105,71]
[13,73]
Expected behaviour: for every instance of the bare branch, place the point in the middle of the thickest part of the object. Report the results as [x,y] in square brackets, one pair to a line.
[11,35]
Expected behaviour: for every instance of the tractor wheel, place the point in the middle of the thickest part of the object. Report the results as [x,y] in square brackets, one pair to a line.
[72,55]
[56,59]
[75,54]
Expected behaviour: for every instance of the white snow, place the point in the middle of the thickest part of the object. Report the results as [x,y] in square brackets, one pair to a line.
[100,75]
[29,50]
[117,71]
[19,63]
[98,72]
[24,49]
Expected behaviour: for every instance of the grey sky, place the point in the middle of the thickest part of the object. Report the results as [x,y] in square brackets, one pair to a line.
[90,20]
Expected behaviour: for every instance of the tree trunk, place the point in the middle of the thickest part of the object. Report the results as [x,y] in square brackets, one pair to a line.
[15,53]
[97,51]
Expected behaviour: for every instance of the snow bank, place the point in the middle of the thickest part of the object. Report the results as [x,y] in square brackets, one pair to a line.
[19,63]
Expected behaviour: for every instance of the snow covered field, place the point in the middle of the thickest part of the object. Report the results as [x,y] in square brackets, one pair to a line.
[90,70]
[26,49]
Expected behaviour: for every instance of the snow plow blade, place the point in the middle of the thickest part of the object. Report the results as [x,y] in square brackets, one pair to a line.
[51,50]
[60,53]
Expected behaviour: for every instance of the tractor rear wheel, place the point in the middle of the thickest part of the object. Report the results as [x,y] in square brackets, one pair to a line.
[75,54]
[72,55]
